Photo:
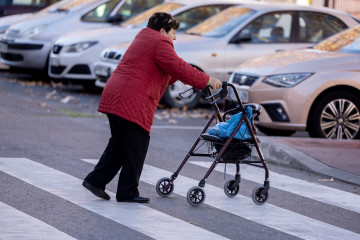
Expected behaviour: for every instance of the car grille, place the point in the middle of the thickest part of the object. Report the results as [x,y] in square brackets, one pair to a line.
[56,49]
[111,55]
[243,79]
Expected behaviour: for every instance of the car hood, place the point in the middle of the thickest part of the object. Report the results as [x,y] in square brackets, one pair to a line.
[187,42]
[7,20]
[37,20]
[109,35]
[306,60]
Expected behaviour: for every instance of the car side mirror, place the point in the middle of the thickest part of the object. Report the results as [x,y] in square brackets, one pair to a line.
[116,19]
[242,37]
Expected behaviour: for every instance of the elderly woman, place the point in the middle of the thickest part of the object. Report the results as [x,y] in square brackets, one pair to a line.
[130,99]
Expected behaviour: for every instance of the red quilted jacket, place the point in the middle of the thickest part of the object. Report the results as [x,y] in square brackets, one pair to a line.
[134,89]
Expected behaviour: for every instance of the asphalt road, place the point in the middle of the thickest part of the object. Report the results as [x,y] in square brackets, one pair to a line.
[51,135]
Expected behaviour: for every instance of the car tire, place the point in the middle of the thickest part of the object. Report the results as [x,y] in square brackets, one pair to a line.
[275,132]
[331,117]
[172,99]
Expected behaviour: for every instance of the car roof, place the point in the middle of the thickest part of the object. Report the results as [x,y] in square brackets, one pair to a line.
[266,6]
[207,2]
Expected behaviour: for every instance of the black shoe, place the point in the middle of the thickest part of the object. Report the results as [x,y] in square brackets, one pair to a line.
[135,199]
[96,191]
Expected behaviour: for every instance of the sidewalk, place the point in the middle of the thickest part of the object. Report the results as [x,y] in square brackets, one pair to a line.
[335,159]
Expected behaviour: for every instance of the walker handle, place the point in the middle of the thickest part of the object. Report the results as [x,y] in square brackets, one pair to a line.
[187,90]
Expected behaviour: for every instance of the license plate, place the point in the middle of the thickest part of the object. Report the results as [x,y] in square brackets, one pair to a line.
[244,96]
[54,62]
[102,71]
[3,48]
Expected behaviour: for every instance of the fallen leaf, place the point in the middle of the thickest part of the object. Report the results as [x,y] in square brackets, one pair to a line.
[172,121]
[50,95]
[67,99]
[326,180]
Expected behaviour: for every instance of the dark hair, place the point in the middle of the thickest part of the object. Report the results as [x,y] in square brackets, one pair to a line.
[163,20]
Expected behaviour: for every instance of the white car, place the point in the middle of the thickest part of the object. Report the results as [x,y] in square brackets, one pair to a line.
[315,90]
[74,54]
[27,44]
[218,45]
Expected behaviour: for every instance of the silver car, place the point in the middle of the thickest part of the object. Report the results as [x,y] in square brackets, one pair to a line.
[27,44]
[218,45]
[315,90]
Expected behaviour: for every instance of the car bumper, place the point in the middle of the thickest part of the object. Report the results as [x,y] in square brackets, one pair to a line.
[78,66]
[24,53]
[282,108]
[103,71]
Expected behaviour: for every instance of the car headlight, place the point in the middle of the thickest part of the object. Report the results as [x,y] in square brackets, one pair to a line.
[34,31]
[286,80]
[4,28]
[79,47]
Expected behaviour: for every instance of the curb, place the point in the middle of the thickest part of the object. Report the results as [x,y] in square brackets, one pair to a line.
[283,155]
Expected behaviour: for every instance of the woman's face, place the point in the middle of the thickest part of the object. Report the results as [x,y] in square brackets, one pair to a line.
[170,35]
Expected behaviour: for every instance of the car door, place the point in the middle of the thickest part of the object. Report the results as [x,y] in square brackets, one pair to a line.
[267,33]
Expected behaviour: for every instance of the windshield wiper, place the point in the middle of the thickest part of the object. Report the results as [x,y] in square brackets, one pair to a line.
[62,10]
[192,33]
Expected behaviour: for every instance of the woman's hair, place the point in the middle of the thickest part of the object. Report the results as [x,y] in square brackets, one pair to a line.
[163,20]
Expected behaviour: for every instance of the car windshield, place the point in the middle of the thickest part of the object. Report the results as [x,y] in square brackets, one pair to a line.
[222,23]
[75,5]
[144,17]
[53,7]
[347,41]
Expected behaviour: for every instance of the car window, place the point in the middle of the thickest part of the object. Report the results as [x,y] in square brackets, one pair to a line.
[194,16]
[100,13]
[144,17]
[315,27]
[347,41]
[133,7]
[272,27]
[223,23]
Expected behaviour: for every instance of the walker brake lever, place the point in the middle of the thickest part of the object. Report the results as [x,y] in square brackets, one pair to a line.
[187,90]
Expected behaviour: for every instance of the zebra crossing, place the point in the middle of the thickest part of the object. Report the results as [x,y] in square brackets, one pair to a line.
[136,216]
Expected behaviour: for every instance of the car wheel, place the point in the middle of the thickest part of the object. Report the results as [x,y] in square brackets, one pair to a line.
[275,132]
[172,99]
[336,116]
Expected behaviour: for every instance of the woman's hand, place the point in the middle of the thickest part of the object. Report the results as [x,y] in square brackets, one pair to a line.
[214,83]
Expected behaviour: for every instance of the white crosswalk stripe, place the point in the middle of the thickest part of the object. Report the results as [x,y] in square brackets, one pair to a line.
[15,225]
[269,215]
[310,190]
[132,215]
[136,217]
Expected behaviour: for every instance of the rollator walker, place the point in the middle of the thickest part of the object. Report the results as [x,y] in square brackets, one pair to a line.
[223,150]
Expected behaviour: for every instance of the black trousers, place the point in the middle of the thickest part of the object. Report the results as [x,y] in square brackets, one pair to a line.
[126,150]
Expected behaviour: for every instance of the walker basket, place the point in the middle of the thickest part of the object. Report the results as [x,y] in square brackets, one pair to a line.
[235,152]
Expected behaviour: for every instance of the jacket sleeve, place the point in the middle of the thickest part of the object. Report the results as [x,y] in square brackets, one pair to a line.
[167,59]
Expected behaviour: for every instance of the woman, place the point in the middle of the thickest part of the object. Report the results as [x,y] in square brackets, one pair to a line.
[130,99]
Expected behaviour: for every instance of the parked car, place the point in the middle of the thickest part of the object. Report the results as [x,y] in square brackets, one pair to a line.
[219,44]
[315,90]
[28,44]
[69,52]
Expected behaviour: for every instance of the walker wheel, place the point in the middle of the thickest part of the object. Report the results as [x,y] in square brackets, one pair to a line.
[231,192]
[257,197]
[162,187]
[196,196]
